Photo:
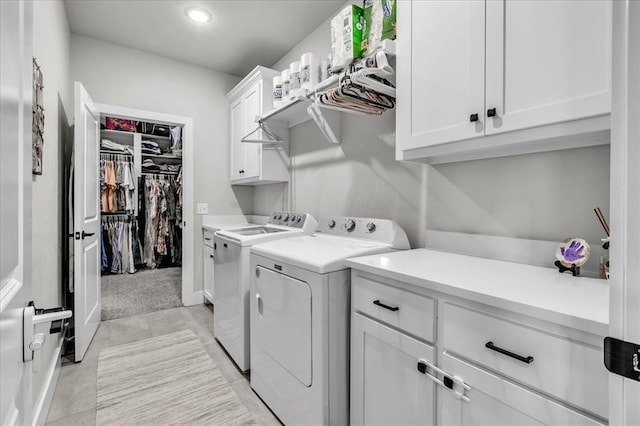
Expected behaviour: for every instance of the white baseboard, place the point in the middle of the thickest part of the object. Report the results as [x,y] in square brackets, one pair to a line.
[194,298]
[43,404]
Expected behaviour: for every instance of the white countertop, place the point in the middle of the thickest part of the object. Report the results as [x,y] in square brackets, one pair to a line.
[216,222]
[544,293]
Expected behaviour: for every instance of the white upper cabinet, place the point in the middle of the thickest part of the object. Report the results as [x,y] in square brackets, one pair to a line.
[440,71]
[480,79]
[547,62]
[253,163]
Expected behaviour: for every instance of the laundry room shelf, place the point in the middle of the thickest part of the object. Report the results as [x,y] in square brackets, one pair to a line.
[154,137]
[297,111]
[291,114]
[162,156]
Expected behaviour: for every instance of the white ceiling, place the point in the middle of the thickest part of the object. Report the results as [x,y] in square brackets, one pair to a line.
[241,35]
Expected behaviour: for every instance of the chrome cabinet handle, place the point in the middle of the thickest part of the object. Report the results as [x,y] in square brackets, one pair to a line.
[525,359]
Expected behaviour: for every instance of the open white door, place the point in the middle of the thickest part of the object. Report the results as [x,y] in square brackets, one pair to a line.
[15,208]
[624,393]
[86,221]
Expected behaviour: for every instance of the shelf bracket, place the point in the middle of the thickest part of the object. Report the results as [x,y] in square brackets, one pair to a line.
[329,124]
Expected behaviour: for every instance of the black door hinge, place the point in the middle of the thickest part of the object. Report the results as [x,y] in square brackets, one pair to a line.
[622,358]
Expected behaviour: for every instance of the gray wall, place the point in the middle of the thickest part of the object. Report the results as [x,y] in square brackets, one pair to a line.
[126,77]
[51,48]
[547,196]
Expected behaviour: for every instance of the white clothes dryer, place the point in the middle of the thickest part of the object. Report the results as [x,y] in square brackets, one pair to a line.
[300,304]
[232,279]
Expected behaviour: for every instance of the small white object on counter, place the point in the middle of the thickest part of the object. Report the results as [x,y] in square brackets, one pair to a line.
[576,302]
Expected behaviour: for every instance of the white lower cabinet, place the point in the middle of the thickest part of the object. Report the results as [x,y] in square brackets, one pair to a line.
[386,386]
[207,259]
[481,366]
[492,400]
[208,273]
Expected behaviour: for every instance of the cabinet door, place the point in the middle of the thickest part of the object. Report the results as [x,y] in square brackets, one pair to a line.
[440,72]
[386,386]
[208,273]
[237,147]
[496,401]
[252,101]
[547,62]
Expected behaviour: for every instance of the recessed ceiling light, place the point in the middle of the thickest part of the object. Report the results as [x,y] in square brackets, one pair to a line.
[198,15]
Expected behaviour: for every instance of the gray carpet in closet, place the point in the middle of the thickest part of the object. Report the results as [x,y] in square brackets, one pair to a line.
[145,291]
[165,380]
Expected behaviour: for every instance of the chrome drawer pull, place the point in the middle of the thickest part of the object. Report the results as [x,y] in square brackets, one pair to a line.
[382,305]
[525,359]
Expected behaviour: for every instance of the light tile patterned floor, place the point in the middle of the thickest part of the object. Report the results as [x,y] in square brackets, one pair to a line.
[74,400]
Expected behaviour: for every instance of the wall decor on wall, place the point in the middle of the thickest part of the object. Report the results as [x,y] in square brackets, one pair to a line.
[38,120]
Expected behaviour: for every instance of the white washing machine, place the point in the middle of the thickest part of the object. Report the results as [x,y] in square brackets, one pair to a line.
[232,279]
[300,304]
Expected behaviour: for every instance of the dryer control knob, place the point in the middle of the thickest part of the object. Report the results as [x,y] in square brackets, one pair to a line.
[299,219]
[371,227]
[285,217]
[351,225]
[332,224]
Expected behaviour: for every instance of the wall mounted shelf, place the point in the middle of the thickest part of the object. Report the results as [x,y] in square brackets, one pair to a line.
[327,118]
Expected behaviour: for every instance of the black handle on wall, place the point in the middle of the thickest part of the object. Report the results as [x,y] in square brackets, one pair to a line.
[473,118]
[491,112]
[525,359]
[382,305]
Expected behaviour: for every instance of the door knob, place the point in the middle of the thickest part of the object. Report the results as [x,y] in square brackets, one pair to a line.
[491,112]
[87,234]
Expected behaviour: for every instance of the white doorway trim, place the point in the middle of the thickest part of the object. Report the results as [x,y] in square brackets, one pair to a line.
[624,316]
[189,295]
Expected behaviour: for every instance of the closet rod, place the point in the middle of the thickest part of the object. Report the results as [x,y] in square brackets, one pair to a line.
[161,174]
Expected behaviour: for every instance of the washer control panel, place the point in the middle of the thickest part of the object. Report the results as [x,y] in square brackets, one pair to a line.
[294,220]
[381,230]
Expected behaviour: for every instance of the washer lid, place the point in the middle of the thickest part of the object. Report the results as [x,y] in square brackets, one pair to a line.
[317,252]
[251,235]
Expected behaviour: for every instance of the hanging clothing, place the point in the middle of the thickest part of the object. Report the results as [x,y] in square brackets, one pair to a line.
[117,183]
[120,244]
[163,233]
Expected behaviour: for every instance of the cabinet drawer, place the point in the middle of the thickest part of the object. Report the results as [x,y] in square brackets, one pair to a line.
[402,309]
[495,401]
[566,369]
[208,238]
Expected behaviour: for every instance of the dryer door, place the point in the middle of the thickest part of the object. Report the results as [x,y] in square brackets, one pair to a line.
[283,322]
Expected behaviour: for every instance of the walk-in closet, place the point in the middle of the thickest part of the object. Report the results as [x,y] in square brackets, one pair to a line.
[141,216]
